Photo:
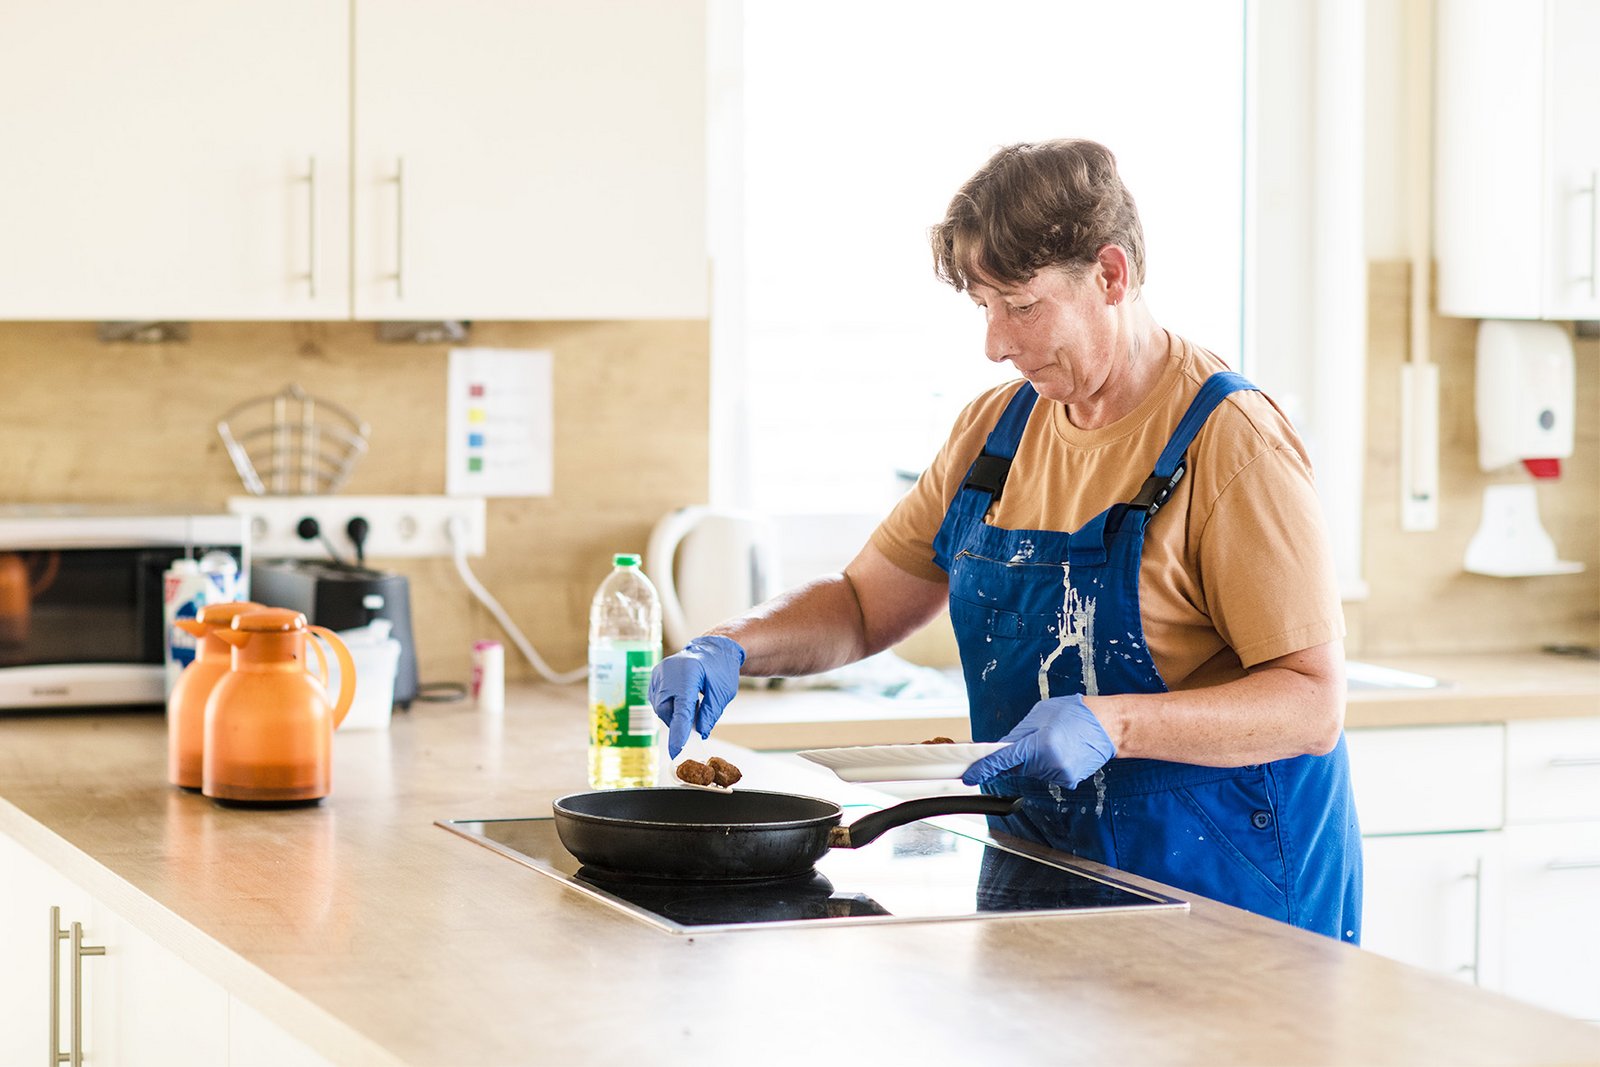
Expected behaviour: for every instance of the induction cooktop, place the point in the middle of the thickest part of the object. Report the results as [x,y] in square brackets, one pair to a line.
[920,872]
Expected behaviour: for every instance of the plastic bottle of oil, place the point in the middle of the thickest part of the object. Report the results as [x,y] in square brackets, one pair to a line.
[624,646]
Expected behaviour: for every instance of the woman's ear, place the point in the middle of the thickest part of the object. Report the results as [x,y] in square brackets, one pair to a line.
[1115,280]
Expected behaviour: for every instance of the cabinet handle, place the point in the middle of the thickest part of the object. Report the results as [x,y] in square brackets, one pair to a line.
[1592,191]
[399,228]
[1573,865]
[79,950]
[1477,920]
[311,225]
[1576,761]
[57,935]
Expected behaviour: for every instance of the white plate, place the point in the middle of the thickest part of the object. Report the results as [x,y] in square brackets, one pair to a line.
[900,763]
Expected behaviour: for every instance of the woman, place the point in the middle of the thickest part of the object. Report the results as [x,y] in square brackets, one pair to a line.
[1130,547]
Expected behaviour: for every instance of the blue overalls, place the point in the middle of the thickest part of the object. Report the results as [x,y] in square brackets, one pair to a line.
[1041,613]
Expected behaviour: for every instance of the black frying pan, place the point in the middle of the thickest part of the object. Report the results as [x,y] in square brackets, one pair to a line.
[677,832]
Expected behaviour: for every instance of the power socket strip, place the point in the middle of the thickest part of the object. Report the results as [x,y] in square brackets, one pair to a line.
[397,526]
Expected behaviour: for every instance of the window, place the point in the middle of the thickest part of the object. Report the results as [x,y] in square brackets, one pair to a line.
[839,132]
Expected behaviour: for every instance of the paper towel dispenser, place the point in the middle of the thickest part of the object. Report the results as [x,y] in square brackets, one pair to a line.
[1526,384]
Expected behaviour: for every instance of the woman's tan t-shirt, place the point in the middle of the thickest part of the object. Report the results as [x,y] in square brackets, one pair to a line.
[1236,568]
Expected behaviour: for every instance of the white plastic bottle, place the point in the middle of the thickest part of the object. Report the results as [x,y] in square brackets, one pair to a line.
[222,577]
[624,647]
[183,594]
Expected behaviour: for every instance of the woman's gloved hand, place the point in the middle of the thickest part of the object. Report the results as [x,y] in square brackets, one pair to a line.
[689,689]
[1059,741]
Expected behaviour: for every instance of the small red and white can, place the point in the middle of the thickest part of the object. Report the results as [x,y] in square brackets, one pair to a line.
[489,675]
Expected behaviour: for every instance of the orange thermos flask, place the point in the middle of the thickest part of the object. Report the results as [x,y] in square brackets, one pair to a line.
[186,705]
[269,722]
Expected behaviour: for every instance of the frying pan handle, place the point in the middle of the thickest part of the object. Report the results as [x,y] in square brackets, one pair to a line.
[869,828]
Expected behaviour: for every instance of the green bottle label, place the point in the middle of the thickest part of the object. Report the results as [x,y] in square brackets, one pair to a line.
[619,697]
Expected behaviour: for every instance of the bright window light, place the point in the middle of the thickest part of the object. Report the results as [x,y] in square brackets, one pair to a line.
[844,128]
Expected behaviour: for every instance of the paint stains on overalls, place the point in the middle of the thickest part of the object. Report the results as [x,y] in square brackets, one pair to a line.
[1041,613]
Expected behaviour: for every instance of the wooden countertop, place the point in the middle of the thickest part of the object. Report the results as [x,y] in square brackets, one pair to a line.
[370,933]
[1501,687]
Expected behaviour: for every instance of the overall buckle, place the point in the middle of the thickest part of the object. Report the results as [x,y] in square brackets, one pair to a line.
[1157,490]
[988,474]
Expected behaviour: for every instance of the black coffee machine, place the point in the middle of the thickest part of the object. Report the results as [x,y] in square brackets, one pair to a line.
[341,596]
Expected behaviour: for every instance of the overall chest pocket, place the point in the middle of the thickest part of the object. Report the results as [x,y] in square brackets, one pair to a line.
[1019,597]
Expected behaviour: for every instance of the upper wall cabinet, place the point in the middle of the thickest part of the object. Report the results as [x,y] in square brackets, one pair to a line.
[1516,216]
[530,160]
[375,159]
[174,159]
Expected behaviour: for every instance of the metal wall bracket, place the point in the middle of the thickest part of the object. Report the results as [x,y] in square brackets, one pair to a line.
[142,333]
[423,333]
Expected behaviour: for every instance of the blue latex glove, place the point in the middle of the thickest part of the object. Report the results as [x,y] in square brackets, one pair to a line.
[1058,741]
[689,689]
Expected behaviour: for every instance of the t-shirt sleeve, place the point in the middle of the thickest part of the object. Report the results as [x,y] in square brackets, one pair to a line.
[1266,564]
[905,536]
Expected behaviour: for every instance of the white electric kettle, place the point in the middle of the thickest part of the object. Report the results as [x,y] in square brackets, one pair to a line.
[710,564]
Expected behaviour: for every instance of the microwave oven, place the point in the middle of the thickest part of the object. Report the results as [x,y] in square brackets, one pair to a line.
[81,620]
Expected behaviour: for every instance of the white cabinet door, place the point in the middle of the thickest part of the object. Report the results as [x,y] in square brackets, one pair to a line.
[147,1007]
[1517,158]
[28,890]
[1572,154]
[1553,916]
[1553,770]
[140,1004]
[159,160]
[1428,779]
[256,1041]
[533,160]
[1433,900]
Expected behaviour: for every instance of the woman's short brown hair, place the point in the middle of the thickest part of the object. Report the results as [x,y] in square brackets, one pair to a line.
[1056,203]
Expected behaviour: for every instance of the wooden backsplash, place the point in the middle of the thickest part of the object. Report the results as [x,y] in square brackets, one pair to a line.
[84,421]
[1421,601]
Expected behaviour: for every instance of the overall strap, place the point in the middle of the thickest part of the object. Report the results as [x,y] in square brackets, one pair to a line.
[986,478]
[1171,464]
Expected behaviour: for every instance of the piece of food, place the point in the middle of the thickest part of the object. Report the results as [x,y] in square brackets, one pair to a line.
[696,773]
[940,740]
[725,773]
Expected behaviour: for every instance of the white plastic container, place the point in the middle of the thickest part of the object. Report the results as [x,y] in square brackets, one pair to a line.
[489,676]
[377,660]
[183,594]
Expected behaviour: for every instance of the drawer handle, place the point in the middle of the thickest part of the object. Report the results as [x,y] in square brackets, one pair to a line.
[1475,967]
[1573,865]
[79,950]
[1576,761]
[311,226]
[74,1055]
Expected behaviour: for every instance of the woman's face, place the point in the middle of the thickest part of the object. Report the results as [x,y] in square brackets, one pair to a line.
[1058,329]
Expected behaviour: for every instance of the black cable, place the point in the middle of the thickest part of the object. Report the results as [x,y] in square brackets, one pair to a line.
[358,529]
[441,692]
[309,528]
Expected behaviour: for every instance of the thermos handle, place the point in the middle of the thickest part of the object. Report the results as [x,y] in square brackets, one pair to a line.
[322,657]
[347,672]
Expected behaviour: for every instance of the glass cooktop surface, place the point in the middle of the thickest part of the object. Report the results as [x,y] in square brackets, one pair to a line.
[919,872]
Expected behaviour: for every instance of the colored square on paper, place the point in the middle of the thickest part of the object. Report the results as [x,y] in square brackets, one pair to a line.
[474,463]
[476,415]
[474,440]
[475,391]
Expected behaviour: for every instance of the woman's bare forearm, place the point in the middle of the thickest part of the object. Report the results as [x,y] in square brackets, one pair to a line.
[836,619]
[809,629]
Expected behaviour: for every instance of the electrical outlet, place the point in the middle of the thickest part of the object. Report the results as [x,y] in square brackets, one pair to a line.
[398,526]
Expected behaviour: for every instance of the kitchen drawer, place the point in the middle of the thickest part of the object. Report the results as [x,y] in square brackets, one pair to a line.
[1552,938]
[1552,770]
[1428,779]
